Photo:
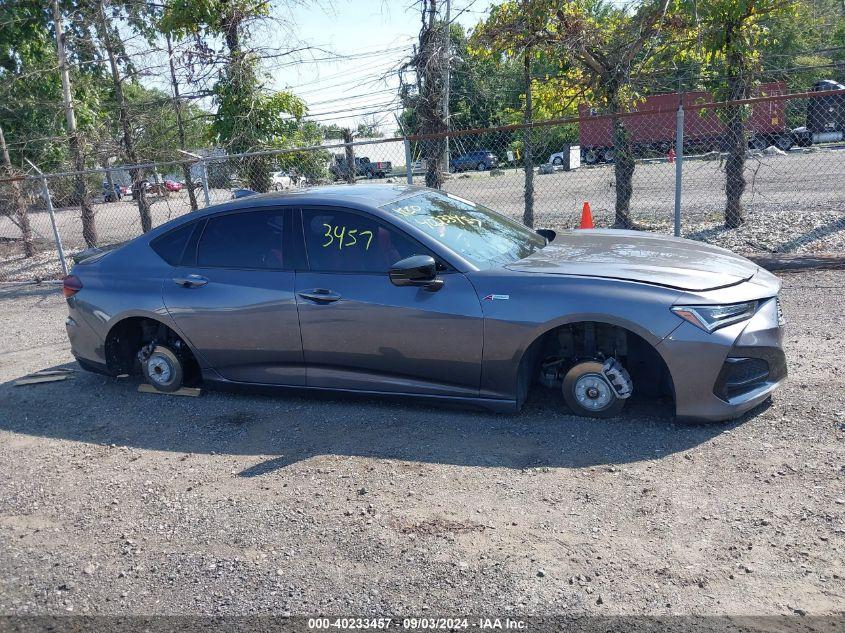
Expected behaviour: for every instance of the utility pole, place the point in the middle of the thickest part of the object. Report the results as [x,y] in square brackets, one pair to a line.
[89,228]
[447,54]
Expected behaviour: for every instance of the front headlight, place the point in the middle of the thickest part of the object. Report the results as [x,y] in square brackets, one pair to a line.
[710,318]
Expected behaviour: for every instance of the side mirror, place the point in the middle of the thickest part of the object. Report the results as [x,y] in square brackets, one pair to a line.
[549,234]
[419,270]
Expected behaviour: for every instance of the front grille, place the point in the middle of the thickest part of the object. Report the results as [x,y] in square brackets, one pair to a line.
[739,376]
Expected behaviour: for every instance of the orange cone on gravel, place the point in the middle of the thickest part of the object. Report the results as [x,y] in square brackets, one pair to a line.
[586,217]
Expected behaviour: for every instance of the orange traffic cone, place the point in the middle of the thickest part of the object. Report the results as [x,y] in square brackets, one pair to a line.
[586,217]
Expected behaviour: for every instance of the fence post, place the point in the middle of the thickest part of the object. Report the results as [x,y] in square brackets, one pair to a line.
[204,176]
[45,191]
[350,156]
[679,165]
[409,168]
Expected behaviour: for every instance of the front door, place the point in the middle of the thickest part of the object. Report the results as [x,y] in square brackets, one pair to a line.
[359,331]
[233,298]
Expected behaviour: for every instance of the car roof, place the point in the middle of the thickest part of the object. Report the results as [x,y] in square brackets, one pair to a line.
[367,196]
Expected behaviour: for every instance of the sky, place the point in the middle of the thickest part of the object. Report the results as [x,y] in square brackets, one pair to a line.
[376,36]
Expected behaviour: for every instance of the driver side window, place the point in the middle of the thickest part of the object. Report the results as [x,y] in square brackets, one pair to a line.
[341,241]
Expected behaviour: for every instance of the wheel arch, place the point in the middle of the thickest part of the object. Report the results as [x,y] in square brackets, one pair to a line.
[530,356]
[129,331]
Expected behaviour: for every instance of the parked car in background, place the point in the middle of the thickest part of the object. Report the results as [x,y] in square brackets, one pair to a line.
[242,192]
[172,185]
[151,188]
[363,167]
[402,290]
[125,190]
[283,180]
[114,195]
[419,166]
[480,161]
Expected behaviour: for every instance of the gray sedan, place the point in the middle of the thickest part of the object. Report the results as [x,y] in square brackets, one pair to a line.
[386,289]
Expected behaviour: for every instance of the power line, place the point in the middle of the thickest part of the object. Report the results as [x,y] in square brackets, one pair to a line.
[363,107]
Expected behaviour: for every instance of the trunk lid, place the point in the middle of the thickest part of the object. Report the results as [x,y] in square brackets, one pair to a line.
[636,256]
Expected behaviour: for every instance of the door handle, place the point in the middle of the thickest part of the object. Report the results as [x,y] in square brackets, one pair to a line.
[320,295]
[191,281]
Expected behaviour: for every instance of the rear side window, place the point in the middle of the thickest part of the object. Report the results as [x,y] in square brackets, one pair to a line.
[171,245]
[243,240]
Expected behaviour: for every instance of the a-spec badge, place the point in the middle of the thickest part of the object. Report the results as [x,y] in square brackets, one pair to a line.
[497,297]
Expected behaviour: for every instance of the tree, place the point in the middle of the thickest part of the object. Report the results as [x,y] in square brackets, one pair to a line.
[519,28]
[17,201]
[178,111]
[732,32]
[609,44]
[113,47]
[249,117]
[429,63]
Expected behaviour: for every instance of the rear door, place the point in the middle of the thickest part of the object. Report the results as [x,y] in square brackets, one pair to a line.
[359,331]
[232,297]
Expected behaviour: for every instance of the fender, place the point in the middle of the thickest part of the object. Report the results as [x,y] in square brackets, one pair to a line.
[511,326]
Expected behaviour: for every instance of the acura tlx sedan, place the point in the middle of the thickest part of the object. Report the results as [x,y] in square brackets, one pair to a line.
[387,289]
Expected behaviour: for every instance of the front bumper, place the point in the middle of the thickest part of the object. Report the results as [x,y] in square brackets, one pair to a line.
[723,374]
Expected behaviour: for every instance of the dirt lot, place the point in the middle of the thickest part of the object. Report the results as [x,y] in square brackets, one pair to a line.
[116,502]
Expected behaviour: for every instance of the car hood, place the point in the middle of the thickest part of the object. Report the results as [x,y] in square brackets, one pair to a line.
[637,256]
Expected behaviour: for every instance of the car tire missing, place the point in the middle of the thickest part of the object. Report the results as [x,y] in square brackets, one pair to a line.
[588,393]
[163,369]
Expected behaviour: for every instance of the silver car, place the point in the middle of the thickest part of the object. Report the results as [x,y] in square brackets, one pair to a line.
[387,289]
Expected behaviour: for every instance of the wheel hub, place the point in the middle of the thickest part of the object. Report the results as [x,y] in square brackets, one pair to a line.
[593,392]
[159,369]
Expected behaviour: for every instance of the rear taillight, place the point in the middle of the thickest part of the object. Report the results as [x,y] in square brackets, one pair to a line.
[71,285]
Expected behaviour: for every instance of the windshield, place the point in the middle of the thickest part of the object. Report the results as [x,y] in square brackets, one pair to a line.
[481,236]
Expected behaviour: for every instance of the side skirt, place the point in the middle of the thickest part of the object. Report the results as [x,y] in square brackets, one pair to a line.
[490,404]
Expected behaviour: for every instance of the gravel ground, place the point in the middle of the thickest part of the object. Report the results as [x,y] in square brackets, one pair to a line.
[795,204]
[117,502]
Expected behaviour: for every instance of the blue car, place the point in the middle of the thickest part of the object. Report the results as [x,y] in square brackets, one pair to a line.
[480,161]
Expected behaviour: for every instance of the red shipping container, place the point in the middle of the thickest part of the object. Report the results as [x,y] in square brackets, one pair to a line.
[656,128]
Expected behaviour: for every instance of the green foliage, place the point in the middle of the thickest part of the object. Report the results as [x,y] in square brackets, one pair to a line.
[154,128]
[312,164]
[209,17]
[248,117]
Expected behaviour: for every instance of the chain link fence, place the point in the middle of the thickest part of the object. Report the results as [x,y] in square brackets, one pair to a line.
[761,175]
